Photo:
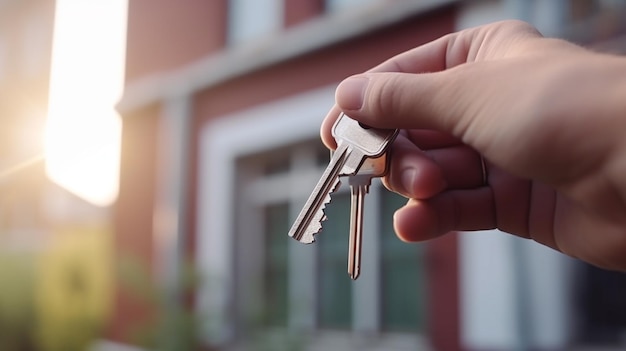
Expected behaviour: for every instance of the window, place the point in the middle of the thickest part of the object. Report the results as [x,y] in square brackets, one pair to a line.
[403,297]
[335,288]
[262,165]
[251,20]
[275,270]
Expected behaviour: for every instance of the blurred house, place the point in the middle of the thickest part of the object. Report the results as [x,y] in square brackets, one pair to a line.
[32,207]
[222,109]
[25,47]
[45,231]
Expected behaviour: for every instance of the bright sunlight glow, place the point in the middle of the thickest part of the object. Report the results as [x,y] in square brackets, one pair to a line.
[83,130]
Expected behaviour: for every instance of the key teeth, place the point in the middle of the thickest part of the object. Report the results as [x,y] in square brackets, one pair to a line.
[321,216]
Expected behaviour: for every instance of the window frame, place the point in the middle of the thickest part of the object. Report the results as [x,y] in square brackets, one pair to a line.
[223,142]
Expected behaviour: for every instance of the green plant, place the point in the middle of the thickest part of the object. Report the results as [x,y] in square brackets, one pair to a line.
[16,301]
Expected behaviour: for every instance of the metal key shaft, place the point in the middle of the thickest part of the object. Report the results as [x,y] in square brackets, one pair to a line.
[359,187]
[306,224]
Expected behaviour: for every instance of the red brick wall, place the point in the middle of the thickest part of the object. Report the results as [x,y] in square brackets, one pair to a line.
[166,35]
[298,11]
[133,221]
[326,66]
[162,36]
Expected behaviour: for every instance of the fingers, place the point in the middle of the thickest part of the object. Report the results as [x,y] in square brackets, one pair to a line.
[422,174]
[453,210]
[412,173]
[446,187]
[461,166]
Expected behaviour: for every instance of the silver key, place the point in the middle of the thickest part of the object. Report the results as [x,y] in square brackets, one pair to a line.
[354,145]
[359,187]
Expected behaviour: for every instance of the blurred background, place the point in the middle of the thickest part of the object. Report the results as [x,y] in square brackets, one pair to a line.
[153,155]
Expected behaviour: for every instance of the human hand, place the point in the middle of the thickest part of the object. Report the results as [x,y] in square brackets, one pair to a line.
[547,116]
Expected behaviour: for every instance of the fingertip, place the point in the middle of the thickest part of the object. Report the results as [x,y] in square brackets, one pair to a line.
[415,222]
[422,182]
[350,93]
[326,128]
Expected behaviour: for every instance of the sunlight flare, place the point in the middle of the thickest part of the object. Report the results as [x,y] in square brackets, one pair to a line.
[83,130]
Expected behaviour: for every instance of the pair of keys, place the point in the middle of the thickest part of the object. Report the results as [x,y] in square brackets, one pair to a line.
[361,155]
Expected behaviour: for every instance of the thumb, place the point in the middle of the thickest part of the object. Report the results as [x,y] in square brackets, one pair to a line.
[407,101]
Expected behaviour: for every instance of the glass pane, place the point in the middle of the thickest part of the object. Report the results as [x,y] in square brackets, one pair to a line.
[335,289]
[276,225]
[602,306]
[322,156]
[276,163]
[403,290]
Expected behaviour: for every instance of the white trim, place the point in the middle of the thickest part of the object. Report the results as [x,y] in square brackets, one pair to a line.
[513,292]
[221,142]
[488,291]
